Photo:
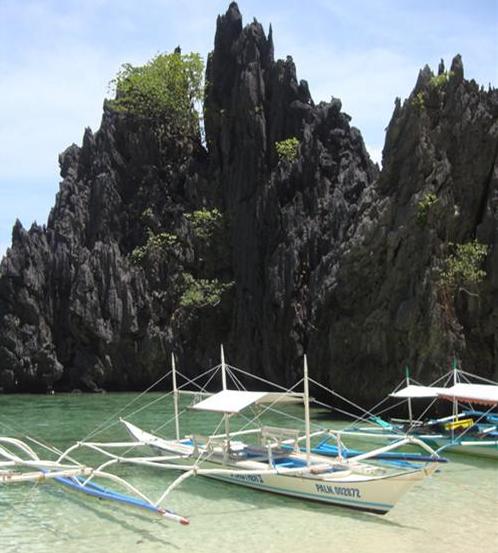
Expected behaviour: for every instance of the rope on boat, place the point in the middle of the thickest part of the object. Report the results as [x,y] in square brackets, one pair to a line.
[111,420]
[102,426]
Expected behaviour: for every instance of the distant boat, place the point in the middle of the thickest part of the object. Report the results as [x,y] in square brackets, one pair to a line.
[467,430]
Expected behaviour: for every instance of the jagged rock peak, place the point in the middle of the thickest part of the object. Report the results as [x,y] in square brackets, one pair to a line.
[257,47]
[228,28]
[457,67]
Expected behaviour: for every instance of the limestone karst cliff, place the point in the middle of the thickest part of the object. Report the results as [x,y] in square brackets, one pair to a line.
[322,253]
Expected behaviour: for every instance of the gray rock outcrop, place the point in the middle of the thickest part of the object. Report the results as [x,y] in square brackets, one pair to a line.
[323,253]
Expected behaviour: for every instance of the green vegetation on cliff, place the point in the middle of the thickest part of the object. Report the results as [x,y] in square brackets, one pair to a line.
[287,149]
[168,86]
[155,243]
[205,222]
[424,207]
[202,292]
[462,267]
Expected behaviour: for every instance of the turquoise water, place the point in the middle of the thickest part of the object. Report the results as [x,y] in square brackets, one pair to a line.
[454,510]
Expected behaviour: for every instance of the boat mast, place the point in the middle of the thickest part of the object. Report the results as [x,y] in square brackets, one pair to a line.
[224,386]
[175,396]
[307,412]
[410,413]
[455,380]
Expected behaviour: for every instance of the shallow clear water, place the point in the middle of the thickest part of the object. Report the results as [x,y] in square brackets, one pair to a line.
[454,510]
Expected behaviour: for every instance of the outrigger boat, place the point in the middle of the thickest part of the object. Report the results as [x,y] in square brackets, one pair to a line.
[467,430]
[269,459]
[272,459]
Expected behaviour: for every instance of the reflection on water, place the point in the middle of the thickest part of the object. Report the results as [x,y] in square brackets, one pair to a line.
[457,508]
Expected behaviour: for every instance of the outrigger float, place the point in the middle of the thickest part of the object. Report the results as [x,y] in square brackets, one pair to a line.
[265,458]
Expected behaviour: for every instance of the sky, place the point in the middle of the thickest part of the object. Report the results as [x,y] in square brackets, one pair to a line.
[57,58]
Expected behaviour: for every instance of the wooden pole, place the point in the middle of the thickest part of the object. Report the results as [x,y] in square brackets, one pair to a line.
[175,396]
[307,412]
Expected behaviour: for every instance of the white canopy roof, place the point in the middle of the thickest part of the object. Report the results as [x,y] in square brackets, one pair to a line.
[487,394]
[413,391]
[229,401]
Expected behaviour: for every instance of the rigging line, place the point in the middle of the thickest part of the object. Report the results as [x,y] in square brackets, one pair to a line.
[163,396]
[238,384]
[270,405]
[283,388]
[53,449]
[341,397]
[194,380]
[11,428]
[423,413]
[213,370]
[477,377]
[235,379]
[294,417]
[133,413]
[169,421]
[391,407]
[97,430]
[365,418]
[446,375]
[386,409]
[210,454]
[39,442]
[254,409]
[149,404]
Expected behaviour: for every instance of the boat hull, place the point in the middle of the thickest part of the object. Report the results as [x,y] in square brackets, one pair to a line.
[371,496]
[377,494]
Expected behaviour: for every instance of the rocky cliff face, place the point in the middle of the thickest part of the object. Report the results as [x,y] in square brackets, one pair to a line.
[320,254]
[386,309]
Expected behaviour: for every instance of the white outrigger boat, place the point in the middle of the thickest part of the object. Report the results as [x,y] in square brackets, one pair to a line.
[467,430]
[272,459]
